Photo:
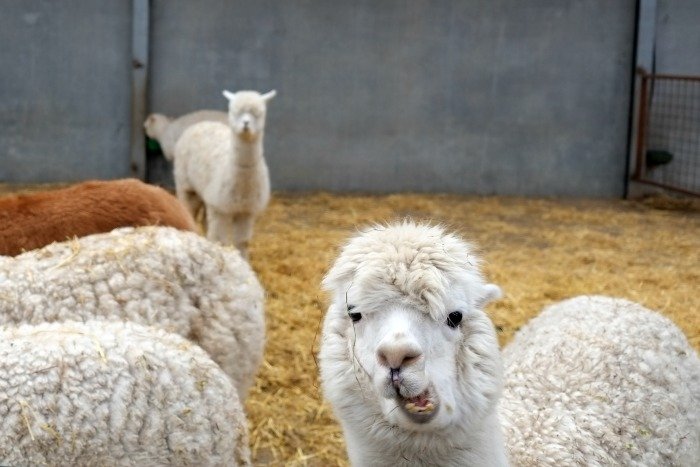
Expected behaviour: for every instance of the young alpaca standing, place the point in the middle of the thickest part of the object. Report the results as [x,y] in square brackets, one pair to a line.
[168,130]
[411,365]
[409,360]
[222,167]
[30,221]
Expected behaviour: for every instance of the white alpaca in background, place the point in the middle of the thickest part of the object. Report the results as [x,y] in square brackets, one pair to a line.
[409,360]
[222,166]
[412,368]
[167,130]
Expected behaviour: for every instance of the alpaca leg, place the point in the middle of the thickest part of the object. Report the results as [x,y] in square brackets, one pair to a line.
[242,232]
[191,200]
[219,227]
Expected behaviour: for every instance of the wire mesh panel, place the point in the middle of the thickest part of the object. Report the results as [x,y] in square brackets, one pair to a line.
[668,148]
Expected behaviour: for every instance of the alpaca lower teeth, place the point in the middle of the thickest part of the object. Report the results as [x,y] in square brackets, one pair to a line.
[413,408]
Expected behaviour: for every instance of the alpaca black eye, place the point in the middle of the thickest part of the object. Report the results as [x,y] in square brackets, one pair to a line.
[355,317]
[454,318]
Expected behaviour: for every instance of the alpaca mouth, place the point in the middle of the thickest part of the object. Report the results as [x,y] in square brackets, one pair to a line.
[419,409]
[247,133]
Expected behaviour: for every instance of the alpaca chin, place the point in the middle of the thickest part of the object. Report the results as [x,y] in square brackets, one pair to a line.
[247,136]
[414,413]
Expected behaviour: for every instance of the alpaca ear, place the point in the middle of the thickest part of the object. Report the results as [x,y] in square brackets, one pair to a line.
[489,293]
[339,276]
[229,95]
[269,95]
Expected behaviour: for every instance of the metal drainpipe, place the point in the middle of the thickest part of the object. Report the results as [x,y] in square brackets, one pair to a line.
[139,85]
[643,53]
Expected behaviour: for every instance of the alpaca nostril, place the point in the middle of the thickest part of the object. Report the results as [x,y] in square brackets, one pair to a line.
[394,376]
[398,356]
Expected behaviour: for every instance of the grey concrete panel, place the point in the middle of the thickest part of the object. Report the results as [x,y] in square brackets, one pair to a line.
[64,90]
[678,37]
[506,97]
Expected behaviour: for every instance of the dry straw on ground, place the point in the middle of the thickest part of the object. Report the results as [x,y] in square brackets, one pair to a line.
[537,250]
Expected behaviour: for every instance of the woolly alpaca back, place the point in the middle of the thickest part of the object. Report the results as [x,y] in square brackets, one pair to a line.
[114,393]
[30,221]
[154,276]
[415,274]
[601,381]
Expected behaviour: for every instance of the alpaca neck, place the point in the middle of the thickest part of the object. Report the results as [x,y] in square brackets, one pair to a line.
[481,446]
[246,153]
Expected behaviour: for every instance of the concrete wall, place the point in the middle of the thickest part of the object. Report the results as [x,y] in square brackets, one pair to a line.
[678,37]
[485,97]
[64,90]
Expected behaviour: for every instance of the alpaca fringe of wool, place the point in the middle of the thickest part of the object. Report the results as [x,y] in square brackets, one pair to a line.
[30,221]
[114,393]
[155,276]
[411,366]
[222,168]
[167,130]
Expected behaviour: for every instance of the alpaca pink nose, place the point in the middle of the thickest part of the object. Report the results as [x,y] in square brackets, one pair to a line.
[398,353]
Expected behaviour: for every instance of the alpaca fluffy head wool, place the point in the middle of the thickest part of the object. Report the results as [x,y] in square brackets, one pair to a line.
[157,276]
[246,112]
[409,360]
[155,124]
[114,393]
[601,381]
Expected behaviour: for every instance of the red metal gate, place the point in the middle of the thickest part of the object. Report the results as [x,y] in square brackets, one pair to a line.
[668,132]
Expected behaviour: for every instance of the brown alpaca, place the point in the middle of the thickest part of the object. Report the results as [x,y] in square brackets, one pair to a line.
[33,220]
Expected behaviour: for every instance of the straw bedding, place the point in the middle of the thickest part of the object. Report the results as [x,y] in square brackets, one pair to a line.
[538,250]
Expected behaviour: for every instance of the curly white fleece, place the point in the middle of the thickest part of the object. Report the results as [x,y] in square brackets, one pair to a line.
[157,276]
[111,393]
[601,381]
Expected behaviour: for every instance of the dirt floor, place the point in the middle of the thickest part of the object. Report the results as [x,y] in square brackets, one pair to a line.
[538,250]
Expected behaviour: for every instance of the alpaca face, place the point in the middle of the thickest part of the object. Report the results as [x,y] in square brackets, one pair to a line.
[246,112]
[410,361]
[155,124]
[405,337]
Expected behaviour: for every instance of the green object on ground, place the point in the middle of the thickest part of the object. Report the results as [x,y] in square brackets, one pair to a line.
[152,146]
